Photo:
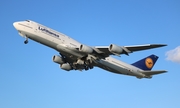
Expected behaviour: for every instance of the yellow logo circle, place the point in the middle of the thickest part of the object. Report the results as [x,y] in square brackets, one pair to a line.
[149,63]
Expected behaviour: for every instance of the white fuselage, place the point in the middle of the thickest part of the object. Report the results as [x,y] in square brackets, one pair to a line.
[116,66]
[68,46]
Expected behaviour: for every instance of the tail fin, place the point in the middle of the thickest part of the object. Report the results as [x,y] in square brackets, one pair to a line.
[146,63]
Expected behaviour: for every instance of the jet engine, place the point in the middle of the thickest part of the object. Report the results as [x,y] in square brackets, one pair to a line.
[80,62]
[85,49]
[58,59]
[66,67]
[115,49]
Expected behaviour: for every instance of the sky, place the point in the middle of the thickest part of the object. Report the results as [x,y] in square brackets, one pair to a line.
[30,79]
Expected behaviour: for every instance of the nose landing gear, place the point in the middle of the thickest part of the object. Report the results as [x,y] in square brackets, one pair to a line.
[26,41]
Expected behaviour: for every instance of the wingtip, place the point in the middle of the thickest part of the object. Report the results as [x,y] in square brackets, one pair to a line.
[162,45]
[158,45]
[165,71]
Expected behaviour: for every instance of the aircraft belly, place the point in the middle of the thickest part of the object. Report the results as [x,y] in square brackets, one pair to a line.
[112,68]
[117,69]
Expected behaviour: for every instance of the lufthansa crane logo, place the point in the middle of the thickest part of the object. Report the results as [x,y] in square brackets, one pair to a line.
[149,63]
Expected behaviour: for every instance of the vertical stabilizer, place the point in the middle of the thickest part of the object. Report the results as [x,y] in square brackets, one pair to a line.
[146,63]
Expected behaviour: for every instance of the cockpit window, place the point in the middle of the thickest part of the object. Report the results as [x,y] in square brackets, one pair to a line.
[27,20]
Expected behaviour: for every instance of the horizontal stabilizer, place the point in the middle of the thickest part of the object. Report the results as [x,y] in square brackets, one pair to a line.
[154,72]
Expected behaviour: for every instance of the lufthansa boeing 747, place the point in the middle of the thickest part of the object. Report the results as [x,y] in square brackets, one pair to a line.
[77,56]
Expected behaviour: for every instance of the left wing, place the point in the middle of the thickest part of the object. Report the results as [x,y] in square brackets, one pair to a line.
[117,50]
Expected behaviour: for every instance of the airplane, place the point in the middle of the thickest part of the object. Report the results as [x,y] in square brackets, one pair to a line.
[74,55]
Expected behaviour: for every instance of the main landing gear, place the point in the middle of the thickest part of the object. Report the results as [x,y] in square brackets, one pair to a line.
[26,41]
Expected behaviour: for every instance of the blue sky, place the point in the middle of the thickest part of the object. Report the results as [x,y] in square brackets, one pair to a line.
[29,78]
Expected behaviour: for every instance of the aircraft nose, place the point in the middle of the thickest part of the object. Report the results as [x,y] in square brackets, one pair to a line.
[15,24]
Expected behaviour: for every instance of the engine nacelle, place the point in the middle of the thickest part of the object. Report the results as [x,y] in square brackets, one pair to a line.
[85,49]
[66,67]
[80,62]
[58,59]
[115,49]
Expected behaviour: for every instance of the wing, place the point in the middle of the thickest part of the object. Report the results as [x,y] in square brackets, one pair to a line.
[143,47]
[117,50]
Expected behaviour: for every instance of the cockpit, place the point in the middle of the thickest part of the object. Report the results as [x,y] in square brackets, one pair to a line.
[28,20]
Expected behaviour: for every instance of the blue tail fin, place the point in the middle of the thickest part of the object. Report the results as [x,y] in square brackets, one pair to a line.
[146,63]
